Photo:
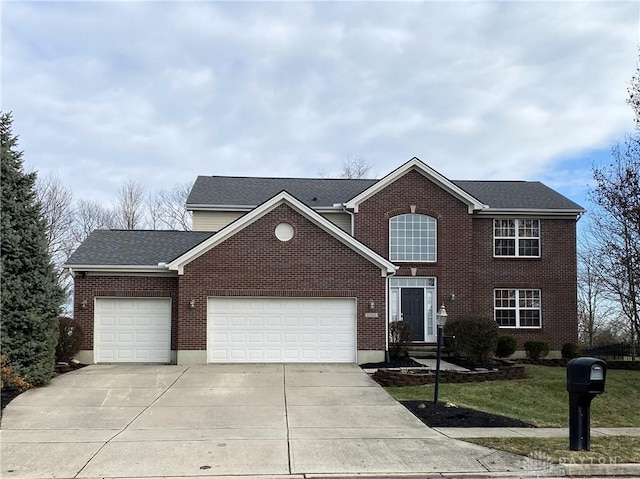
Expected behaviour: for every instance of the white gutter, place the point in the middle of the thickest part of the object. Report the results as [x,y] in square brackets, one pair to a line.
[531,211]
[110,268]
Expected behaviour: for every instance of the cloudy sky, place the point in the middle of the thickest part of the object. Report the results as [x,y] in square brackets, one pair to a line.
[160,92]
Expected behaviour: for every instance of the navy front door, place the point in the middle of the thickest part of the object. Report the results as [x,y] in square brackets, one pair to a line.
[412,308]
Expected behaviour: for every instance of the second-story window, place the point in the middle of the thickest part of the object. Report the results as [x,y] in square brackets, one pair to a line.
[412,238]
[516,237]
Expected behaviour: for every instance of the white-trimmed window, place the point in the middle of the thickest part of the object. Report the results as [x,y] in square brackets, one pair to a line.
[412,237]
[517,308]
[516,238]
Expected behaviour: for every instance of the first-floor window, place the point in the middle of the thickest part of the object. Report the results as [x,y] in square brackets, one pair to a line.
[517,308]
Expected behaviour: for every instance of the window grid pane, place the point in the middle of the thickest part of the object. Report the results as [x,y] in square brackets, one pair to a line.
[519,308]
[413,238]
[525,233]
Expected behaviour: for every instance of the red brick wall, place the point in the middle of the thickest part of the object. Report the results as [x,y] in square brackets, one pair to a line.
[554,274]
[254,262]
[465,264]
[91,287]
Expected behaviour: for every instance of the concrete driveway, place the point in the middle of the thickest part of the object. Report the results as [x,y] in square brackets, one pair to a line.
[273,419]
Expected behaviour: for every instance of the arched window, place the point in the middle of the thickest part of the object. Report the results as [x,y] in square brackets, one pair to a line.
[412,238]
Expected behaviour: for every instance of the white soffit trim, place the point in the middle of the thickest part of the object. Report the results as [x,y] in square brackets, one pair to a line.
[415,164]
[282,198]
[110,268]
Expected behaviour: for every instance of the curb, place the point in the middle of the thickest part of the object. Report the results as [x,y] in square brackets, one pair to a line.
[602,470]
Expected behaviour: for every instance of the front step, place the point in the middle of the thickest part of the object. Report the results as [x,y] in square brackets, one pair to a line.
[423,350]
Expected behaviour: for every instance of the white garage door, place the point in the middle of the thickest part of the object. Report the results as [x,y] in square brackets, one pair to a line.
[281,330]
[132,330]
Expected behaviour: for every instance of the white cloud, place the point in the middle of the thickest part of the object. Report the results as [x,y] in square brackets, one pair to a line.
[164,91]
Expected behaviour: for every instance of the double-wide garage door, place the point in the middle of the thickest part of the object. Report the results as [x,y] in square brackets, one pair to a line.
[281,330]
[132,330]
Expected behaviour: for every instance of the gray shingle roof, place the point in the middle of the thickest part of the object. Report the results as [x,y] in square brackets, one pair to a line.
[139,248]
[245,191]
[517,195]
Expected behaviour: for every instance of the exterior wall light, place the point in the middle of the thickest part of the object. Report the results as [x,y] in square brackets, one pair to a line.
[192,303]
[372,305]
[84,303]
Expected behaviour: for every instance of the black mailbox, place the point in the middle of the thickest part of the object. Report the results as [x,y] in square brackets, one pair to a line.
[586,375]
[585,380]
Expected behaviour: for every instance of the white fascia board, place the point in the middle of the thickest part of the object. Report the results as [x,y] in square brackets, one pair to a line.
[537,212]
[257,213]
[110,268]
[415,164]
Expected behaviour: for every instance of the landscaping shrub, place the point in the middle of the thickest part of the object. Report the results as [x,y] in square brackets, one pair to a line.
[400,335]
[536,349]
[474,337]
[506,346]
[9,379]
[570,350]
[69,341]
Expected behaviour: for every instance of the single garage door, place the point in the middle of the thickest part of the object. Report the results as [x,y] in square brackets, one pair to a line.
[132,330]
[281,330]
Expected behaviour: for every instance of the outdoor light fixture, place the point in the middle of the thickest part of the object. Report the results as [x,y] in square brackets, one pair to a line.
[83,303]
[441,319]
[192,303]
[452,296]
[372,304]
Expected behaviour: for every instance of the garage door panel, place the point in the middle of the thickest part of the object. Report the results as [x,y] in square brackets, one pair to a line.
[281,330]
[133,330]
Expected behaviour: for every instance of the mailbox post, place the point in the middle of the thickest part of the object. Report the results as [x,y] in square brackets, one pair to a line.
[585,380]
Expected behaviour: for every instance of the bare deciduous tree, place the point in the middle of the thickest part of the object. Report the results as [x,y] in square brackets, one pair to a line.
[56,200]
[129,206]
[595,308]
[356,167]
[91,215]
[155,211]
[174,213]
[616,228]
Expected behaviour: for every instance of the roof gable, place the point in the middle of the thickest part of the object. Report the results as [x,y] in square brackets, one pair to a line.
[282,198]
[416,165]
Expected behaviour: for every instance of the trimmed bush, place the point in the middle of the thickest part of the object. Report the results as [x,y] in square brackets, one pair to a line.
[570,350]
[400,335]
[506,346]
[536,349]
[474,337]
[69,341]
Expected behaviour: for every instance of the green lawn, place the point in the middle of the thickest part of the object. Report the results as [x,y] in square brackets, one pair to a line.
[604,450]
[541,399]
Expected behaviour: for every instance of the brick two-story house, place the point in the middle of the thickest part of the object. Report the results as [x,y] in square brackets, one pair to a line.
[310,270]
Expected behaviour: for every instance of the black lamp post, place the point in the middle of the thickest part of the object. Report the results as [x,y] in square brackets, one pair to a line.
[441,318]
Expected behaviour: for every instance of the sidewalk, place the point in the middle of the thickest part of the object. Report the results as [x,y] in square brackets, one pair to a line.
[466,432]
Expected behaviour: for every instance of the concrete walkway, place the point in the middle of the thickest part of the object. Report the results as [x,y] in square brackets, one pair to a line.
[229,420]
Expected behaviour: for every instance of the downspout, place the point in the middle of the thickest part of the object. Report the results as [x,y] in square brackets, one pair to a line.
[344,208]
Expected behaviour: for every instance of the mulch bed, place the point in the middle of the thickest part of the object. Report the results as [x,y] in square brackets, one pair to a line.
[7,397]
[398,363]
[442,416]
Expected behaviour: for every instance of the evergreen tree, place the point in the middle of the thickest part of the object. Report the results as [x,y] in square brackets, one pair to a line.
[31,297]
